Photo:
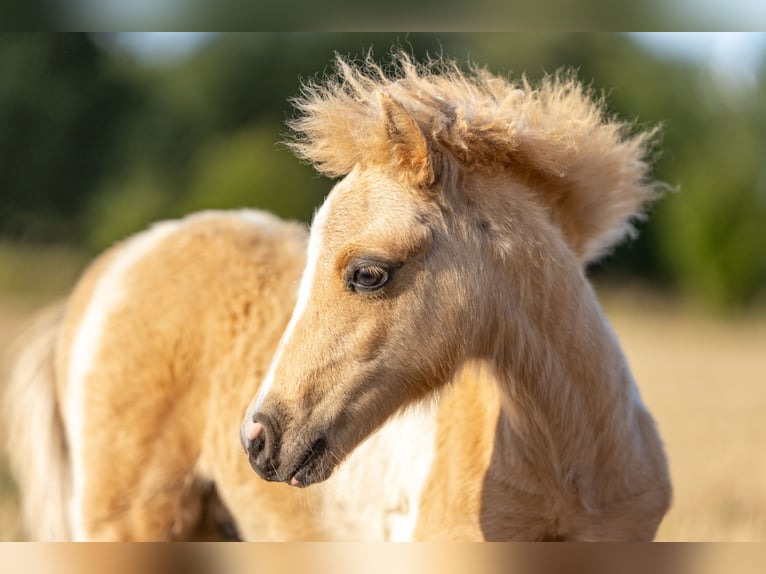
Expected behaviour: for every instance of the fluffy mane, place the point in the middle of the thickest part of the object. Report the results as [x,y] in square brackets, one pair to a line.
[590,169]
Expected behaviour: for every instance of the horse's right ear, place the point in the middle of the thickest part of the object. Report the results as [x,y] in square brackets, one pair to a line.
[410,151]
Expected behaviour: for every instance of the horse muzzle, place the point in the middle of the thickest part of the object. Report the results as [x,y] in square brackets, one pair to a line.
[263,441]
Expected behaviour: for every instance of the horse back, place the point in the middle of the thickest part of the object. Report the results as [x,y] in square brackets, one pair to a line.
[154,324]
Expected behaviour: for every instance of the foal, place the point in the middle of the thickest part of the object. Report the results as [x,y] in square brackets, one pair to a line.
[444,370]
[459,233]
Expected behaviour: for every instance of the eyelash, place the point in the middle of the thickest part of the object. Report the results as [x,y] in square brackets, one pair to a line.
[384,271]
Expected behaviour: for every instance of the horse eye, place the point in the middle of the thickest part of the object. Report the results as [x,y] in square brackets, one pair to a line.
[369,278]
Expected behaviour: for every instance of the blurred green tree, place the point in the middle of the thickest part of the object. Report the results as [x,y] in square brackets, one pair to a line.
[60,108]
[246,169]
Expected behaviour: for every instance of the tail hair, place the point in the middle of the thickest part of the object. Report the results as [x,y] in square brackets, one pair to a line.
[34,439]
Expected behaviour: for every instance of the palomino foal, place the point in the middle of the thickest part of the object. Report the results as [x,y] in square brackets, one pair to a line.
[459,235]
[443,371]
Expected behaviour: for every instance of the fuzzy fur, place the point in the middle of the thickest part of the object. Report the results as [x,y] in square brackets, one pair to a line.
[34,433]
[592,170]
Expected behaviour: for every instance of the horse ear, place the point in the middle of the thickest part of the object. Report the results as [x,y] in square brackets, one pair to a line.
[409,148]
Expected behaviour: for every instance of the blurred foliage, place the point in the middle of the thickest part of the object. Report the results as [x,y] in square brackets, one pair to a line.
[60,111]
[227,177]
[94,144]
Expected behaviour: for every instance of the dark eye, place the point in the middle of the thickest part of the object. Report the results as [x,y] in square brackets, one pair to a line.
[368,278]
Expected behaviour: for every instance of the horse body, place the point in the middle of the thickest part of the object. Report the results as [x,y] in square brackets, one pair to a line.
[430,363]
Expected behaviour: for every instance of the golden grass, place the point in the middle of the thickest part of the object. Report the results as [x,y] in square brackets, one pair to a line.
[704,380]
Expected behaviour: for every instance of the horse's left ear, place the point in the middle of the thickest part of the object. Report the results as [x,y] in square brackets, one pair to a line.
[411,153]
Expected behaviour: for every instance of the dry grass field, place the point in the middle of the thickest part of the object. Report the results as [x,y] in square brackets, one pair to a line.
[704,380]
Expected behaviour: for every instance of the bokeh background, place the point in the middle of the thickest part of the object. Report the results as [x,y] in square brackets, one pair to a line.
[101,134]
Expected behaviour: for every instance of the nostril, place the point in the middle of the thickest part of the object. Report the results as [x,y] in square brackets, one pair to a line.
[261,438]
[253,429]
[256,438]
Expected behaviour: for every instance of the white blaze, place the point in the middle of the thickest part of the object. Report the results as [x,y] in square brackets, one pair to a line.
[304,291]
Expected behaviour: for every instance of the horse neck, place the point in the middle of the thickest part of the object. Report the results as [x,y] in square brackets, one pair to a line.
[568,398]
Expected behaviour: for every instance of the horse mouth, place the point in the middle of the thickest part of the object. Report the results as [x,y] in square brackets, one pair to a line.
[314,466]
